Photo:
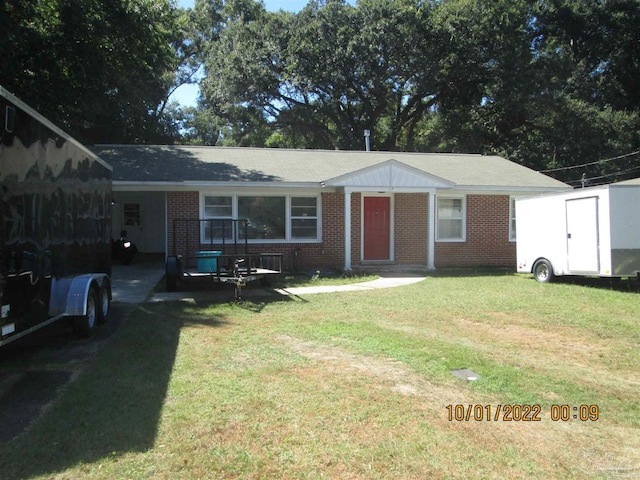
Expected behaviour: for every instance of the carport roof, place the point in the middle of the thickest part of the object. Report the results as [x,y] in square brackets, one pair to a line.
[179,164]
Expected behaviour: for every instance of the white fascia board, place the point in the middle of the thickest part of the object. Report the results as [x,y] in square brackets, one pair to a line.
[191,186]
[506,190]
[260,191]
[120,186]
[386,189]
[244,185]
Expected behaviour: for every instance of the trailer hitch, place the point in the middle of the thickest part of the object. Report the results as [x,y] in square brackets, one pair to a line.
[238,280]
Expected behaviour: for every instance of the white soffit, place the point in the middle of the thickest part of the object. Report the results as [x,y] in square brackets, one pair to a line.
[390,174]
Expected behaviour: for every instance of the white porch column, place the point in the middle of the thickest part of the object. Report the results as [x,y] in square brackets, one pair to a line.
[431,232]
[347,229]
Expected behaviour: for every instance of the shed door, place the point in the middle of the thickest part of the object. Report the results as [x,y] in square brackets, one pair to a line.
[377,223]
[582,235]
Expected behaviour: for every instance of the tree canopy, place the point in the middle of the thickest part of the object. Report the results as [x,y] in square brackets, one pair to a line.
[100,69]
[550,84]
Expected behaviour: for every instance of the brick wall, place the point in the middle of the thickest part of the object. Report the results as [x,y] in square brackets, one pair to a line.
[487,233]
[182,205]
[356,230]
[411,223]
[487,236]
[331,254]
[300,256]
[327,254]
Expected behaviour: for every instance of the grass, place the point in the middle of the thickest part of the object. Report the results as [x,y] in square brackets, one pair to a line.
[353,385]
[320,278]
[297,279]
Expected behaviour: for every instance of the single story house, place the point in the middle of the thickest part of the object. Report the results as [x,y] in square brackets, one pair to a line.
[327,209]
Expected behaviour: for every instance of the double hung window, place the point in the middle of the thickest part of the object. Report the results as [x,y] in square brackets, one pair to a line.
[304,218]
[270,218]
[220,209]
[451,219]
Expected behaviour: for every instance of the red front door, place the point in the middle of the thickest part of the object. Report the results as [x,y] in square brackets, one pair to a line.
[377,214]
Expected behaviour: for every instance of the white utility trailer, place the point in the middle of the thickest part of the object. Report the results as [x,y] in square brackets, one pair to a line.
[593,231]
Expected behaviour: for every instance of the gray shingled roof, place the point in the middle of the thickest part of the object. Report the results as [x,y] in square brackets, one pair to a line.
[178,164]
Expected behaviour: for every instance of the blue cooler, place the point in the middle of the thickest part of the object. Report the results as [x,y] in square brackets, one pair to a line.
[208,261]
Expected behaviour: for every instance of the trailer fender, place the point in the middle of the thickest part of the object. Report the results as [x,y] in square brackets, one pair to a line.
[69,294]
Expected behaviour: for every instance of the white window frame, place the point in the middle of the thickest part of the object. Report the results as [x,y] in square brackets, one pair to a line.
[203,237]
[291,218]
[131,214]
[512,219]
[288,217]
[463,199]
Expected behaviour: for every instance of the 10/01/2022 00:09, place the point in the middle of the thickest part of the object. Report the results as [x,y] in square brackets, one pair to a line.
[521,413]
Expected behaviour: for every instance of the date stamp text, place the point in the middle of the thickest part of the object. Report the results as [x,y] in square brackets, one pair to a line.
[521,413]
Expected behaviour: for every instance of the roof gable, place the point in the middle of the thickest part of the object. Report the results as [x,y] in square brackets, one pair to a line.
[389,175]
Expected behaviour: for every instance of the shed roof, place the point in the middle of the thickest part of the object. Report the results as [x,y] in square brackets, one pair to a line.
[178,164]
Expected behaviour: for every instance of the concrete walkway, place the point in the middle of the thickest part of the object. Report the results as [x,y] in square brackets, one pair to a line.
[386,280]
[135,284]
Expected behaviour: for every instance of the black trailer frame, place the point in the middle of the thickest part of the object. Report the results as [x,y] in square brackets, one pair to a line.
[229,245]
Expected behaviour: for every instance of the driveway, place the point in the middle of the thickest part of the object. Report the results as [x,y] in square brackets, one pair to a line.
[35,369]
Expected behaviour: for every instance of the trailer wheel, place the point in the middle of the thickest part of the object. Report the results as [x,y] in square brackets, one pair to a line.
[543,271]
[104,301]
[171,283]
[85,325]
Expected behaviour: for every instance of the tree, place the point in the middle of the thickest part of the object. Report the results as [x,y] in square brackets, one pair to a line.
[325,75]
[546,99]
[239,71]
[548,84]
[99,69]
[582,107]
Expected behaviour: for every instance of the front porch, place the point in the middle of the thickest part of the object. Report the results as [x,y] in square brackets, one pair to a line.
[396,214]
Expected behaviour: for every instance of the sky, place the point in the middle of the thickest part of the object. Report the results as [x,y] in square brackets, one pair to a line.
[187,95]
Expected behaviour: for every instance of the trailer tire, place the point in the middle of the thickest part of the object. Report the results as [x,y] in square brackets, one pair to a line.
[543,271]
[104,302]
[171,283]
[85,325]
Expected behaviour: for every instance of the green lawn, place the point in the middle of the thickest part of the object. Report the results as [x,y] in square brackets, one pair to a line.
[356,385]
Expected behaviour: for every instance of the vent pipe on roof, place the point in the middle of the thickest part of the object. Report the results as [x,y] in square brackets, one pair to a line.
[367,143]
